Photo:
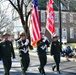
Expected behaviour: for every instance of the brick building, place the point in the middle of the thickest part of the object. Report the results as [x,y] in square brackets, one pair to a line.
[68,25]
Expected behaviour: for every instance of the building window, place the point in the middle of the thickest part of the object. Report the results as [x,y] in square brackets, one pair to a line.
[64,33]
[43,29]
[71,18]
[57,31]
[72,33]
[64,17]
[42,16]
[56,17]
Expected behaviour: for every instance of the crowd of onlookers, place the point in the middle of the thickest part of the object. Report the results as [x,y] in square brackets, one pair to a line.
[68,52]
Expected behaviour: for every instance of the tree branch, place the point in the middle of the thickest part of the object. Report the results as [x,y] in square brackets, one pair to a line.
[18,2]
[13,5]
[22,3]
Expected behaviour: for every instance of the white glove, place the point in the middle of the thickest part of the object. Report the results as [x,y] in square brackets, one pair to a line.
[0,62]
[27,42]
[14,59]
[44,40]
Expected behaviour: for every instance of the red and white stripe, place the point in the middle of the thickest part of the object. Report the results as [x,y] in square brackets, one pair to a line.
[34,27]
[50,17]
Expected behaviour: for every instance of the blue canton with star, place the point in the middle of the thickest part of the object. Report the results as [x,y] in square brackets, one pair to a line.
[35,2]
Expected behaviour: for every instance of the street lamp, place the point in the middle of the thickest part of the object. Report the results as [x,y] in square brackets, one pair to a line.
[60,25]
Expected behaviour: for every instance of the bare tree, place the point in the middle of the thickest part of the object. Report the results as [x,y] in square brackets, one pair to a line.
[21,7]
[5,21]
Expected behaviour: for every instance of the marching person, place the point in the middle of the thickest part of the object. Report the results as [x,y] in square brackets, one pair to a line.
[23,45]
[6,51]
[42,45]
[55,52]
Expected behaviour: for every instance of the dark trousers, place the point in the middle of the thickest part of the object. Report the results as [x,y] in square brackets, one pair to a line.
[57,61]
[7,65]
[43,61]
[25,60]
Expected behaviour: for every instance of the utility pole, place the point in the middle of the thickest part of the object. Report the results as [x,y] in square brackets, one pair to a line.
[60,30]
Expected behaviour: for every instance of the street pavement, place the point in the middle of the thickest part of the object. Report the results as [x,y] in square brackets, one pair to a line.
[67,68]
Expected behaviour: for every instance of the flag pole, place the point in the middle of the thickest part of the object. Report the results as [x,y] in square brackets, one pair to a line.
[60,30]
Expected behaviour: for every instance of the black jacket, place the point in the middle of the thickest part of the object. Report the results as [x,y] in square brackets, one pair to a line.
[42,46]
[6,49]
[23,46]
[55,48]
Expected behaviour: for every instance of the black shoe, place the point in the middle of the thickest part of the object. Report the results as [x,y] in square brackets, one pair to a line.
[39,70]
[43,73]
[58,72]
[24,74]
[53,68]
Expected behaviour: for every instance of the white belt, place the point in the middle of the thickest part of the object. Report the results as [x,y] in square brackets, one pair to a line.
[43,47]
[23,50]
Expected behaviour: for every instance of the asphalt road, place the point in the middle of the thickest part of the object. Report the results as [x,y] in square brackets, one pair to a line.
[67,68]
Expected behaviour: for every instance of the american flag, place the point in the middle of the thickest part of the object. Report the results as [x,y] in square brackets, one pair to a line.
[50,17]
[34,26]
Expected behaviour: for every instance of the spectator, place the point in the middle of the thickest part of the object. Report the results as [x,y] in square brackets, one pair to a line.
[74,52]
[66,50]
